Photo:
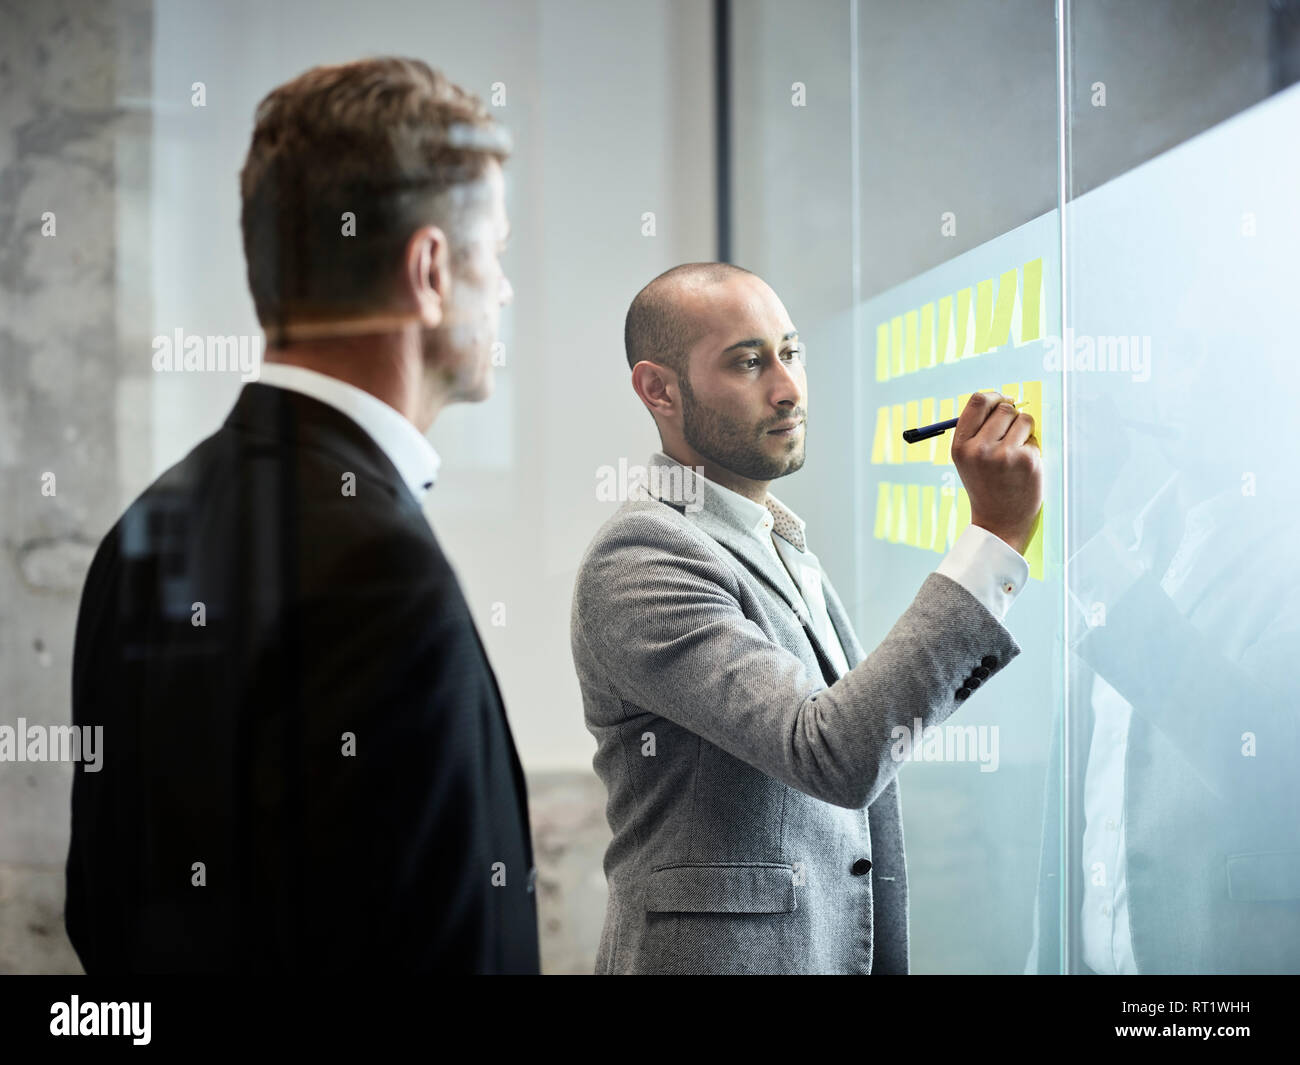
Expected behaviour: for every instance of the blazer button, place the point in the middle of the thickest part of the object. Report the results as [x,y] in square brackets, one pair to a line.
[961,693]
[981,672]
[861,867]
[989,661]
[973,682]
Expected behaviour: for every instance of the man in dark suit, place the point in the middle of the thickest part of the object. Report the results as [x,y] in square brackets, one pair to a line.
[306,763]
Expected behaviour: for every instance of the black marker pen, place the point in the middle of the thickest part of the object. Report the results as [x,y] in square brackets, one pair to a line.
[924,432]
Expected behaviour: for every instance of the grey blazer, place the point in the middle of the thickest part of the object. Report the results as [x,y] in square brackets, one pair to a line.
[750,791]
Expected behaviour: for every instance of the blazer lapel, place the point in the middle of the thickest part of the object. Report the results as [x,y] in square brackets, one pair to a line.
[843,627]
[771,571]
[763,565]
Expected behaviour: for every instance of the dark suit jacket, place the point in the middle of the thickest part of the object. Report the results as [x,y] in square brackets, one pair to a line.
[306,763]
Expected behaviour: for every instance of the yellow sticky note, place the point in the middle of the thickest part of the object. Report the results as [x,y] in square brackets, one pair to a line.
[909,352]
[884,521]
[1034,550]
[882,445]
[898,428]
[1033,398]
[925,357]
[925,449]
[882,351]
[944,538]
[911,452]
[943,442]
[914,515]
[899,527]
[944,338]
[1031,326]
[1012,391]
[983,316]
[896,346]
[999,331]
[963,330]
[927,517]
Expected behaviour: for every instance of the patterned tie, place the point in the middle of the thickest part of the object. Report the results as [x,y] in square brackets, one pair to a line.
[785,524]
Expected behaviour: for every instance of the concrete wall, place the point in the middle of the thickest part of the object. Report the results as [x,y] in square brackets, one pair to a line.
[65,147]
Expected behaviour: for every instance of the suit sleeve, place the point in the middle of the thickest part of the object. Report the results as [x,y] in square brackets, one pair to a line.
[99,945]
[661,614]
[1207,705]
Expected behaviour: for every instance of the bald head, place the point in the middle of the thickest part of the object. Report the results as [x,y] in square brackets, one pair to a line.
[661,324]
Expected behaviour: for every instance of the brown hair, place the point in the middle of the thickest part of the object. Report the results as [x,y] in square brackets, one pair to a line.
[386,139]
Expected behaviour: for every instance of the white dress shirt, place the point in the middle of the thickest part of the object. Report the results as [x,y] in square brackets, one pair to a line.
[405,446]
[985,565]
[804,569]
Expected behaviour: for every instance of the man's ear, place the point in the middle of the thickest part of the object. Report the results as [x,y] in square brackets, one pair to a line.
[656,386]
[426,276]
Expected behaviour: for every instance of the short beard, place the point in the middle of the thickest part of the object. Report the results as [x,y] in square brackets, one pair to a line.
[730,444]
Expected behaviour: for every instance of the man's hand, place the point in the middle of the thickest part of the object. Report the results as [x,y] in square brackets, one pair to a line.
[997,457]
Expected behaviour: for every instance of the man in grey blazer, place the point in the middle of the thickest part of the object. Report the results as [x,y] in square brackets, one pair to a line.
[747,743]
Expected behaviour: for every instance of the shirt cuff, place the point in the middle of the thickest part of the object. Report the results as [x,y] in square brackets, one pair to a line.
[988,567]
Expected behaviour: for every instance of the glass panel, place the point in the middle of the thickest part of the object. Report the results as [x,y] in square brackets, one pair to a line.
[930,187]
[959,291]
[1177,361]
[1102,203]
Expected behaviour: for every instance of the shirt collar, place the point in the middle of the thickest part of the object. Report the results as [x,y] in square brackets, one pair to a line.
[753,519]
[404,445]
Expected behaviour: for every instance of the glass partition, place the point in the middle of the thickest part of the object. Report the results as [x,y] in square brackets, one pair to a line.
[1176,768]
[1090,206]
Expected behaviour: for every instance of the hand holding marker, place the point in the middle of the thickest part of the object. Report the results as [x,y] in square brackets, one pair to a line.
[924,432]
[1000,464]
